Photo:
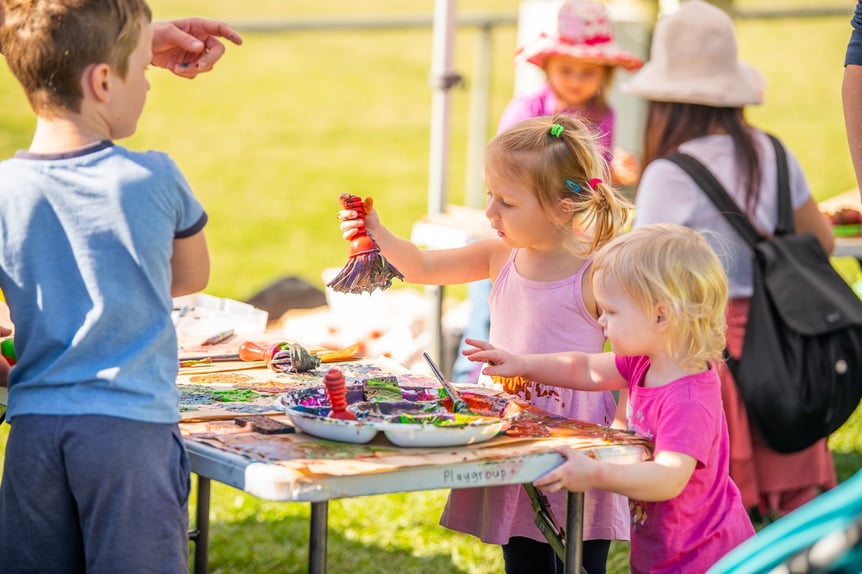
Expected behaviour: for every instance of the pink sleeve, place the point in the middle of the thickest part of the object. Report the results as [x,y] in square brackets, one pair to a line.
[632,368]
[518,110]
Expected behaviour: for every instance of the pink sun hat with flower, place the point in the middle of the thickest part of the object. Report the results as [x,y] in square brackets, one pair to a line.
[584,32]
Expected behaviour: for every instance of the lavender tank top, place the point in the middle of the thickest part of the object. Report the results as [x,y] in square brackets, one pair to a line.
[541,317]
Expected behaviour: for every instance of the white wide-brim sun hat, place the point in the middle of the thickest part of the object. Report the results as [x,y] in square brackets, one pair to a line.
[694,60]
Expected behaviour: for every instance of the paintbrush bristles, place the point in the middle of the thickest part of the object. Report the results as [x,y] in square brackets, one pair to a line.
[364,274]
[366,269]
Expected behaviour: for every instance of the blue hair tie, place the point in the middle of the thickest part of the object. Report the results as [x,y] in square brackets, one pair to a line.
[573,187]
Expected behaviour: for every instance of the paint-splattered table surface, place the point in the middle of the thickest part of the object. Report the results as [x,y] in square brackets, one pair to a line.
[224,390]
[299,467]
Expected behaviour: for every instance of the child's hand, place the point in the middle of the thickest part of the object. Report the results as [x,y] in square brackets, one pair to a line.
[4,372]
[625,168]
[500,362]
[351,223]
[577,474]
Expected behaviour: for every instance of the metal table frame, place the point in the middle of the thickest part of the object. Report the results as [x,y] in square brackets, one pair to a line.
[262,480]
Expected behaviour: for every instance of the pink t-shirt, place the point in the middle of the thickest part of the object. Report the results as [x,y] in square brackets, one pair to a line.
[543,103]
[689,533]
[541,317]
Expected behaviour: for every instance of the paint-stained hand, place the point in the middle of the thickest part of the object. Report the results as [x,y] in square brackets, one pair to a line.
[500,362]
[190,46]
[576,474]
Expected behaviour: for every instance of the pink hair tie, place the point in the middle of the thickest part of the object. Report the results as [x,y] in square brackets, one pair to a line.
[595,181]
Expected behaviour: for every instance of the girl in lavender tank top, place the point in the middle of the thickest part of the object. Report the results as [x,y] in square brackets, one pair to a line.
[551,210]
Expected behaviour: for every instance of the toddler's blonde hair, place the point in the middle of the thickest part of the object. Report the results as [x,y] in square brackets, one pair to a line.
[560,169]
[672,265]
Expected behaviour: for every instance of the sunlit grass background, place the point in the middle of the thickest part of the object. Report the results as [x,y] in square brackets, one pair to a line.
[287,122]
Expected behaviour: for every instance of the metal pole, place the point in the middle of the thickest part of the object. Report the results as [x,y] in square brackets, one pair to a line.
[442,80]
[202,526]
[317,537]
[574,532]
[479,98]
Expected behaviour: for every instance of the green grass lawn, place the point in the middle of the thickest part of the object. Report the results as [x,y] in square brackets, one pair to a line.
[289,121]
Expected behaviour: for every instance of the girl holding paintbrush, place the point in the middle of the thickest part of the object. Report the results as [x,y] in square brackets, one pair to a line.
[551,209]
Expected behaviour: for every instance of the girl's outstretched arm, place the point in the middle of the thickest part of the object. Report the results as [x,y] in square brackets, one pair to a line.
[426,266]
[573,370]
[659,479]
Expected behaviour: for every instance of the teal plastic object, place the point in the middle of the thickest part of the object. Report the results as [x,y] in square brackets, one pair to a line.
[825,531]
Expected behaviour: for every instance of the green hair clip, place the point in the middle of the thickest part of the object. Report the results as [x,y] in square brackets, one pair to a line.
[556,130]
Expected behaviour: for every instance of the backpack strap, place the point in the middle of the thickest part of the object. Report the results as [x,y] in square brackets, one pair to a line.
[718,195]
[725,204]
[785,210]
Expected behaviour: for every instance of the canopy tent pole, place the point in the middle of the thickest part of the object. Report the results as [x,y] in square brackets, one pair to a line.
[442,79]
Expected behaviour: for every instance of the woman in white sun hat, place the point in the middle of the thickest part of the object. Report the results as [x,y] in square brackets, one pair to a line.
[697,90]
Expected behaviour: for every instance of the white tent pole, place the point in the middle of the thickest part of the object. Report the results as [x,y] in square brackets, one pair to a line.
[442,79]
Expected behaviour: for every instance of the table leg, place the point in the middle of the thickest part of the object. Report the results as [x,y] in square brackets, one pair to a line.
[574,532]
[317,537]
[202,525]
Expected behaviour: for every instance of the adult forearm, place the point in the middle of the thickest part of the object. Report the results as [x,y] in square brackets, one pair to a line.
[851,95]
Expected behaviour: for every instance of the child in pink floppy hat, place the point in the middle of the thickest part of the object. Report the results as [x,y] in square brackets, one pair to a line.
[579,60]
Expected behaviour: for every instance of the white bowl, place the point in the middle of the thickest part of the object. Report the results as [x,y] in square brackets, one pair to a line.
[428,435]
[321,426]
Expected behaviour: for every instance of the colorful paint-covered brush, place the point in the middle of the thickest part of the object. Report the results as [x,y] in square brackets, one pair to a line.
[366,269]
[282,357]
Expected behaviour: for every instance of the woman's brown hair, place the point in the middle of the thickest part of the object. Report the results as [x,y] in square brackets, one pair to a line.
[669,125]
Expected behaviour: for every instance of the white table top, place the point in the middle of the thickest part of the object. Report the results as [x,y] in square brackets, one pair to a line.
[378,467]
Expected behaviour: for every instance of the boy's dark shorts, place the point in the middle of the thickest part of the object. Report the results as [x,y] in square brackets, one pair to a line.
[94,493]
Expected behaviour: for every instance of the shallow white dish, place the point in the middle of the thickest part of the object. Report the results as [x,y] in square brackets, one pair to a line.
[429,435]
[313,421]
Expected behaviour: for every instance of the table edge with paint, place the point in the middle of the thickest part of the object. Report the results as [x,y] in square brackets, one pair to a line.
[270,480]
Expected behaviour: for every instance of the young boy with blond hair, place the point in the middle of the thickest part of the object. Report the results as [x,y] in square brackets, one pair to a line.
[95,240]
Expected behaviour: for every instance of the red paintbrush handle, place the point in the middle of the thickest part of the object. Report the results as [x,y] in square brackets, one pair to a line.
[337,392]
[360,243]
[250,351]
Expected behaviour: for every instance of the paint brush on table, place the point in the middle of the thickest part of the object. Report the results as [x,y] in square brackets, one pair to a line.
[458,404]
[206,359]
[219,338]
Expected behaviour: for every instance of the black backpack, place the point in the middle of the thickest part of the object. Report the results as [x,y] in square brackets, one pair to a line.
[800,372]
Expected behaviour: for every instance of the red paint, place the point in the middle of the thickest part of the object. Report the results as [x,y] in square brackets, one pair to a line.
[335,388]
